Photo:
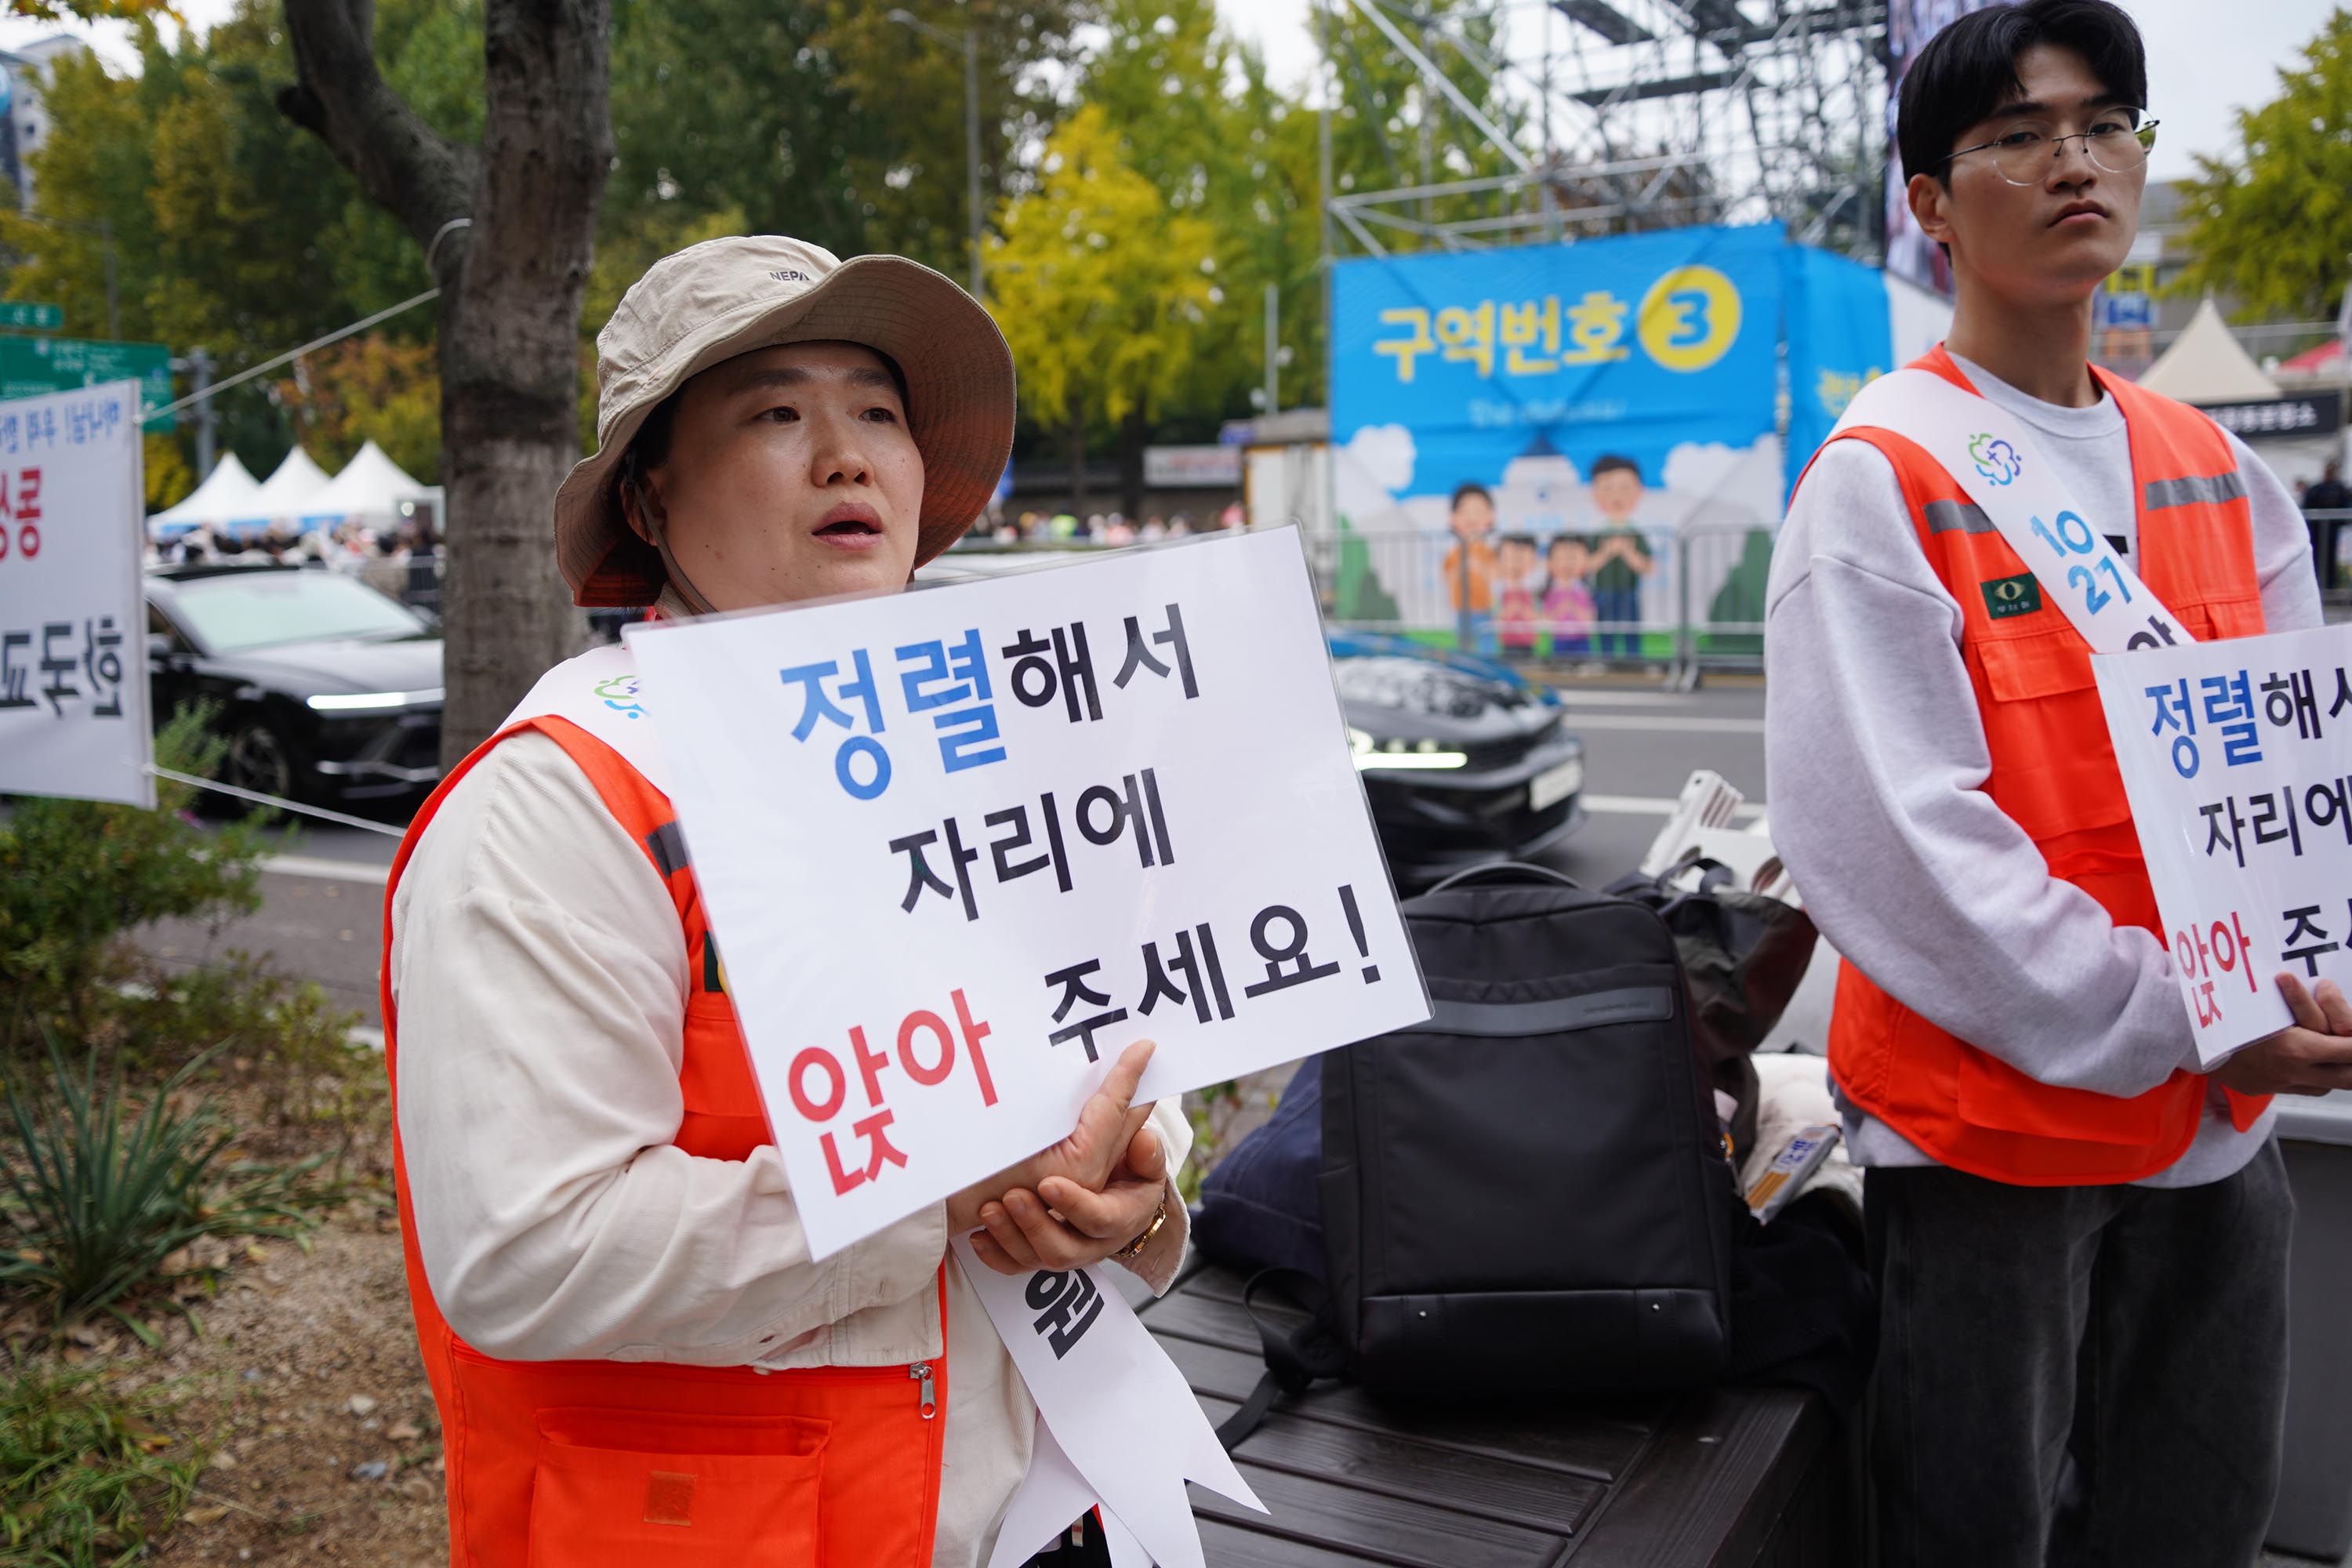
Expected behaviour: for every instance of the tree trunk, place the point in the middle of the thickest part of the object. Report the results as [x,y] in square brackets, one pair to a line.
[1132,431]
[509,231]
[1077,460]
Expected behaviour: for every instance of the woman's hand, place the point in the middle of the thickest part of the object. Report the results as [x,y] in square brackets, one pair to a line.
[1066,1226]
[1093,1181]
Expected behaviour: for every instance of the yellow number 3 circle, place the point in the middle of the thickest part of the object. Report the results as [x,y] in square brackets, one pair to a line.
[1689,318]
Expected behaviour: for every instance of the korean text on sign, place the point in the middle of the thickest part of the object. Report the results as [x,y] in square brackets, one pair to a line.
[73,687]
[966,843]
[2237,756]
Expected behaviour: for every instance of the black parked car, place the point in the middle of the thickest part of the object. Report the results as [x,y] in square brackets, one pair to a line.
[1464,760]
[329,690]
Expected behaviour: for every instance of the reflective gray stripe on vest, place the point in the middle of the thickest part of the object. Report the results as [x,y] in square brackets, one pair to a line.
[1958,517]
[668,847]
[2162,493]
[1633,1005]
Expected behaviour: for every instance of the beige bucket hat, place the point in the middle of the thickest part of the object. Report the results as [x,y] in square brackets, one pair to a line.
[727,296]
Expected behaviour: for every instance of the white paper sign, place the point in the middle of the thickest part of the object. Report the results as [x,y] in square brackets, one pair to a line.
[73,617]
[960,846]
[1122,1412]
[2237,757]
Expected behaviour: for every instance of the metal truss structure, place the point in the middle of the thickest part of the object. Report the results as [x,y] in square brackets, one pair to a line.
[1640,114]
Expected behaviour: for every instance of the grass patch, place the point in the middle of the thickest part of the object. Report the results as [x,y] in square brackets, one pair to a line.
[87,1476]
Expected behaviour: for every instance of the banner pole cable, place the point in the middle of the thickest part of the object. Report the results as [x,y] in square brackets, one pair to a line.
[257,798]
[266,365]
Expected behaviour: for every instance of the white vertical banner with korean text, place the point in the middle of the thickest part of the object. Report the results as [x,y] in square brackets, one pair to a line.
[73,619]
[2237,756]
[960,846]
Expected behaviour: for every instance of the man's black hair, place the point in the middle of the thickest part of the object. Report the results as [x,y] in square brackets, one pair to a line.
[1464,491]
[1613,464]
[1970,70]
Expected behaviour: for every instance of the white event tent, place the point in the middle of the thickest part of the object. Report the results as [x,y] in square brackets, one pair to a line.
[371,489]
[2206,364]
[286,495]
[226,499]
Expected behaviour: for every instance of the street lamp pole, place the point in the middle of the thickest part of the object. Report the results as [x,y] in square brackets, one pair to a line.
[968,41]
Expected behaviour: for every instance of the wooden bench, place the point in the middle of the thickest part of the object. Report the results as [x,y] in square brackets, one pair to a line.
[1724,1479]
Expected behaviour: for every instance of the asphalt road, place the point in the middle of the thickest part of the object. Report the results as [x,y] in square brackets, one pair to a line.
[323,917]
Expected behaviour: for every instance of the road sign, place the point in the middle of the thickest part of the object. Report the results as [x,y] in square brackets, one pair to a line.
[31,366]
[33,316]
[2124,308]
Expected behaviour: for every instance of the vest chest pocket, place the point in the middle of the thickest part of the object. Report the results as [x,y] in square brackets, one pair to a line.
[615,1489]
[2053,768]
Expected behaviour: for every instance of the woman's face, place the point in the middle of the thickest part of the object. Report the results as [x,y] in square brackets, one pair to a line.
[791,475]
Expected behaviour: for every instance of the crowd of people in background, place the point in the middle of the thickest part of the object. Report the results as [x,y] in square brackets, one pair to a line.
[1109,528]
[404,563]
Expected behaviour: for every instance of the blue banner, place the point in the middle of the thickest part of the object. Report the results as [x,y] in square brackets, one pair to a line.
[1602,398]
[1838,339]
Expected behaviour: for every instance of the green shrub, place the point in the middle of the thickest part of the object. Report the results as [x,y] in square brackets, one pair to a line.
[296,1040]
[86,1474]
[75,875]
[99,1200]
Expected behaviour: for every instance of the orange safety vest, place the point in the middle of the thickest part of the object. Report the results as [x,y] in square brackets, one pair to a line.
[2055,773]
[601,1464]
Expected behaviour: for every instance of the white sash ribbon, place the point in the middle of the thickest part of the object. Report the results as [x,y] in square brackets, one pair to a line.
[1988,452]
[1115,1422]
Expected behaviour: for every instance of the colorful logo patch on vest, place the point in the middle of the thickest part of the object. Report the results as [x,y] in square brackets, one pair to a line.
[619,693]
[1997,460]
[2017,595]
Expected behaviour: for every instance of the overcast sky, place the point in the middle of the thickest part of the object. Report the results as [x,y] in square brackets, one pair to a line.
[2198,72]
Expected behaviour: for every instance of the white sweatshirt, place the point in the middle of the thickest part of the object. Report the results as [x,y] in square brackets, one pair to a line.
[540,974]
[1875,759]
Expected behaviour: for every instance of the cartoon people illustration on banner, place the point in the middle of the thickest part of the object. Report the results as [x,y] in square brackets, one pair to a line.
[1517,614]
[1470,566]
[1621,558]
[1567,603]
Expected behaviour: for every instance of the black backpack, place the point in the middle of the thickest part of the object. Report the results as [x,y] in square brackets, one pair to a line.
[1526,1196]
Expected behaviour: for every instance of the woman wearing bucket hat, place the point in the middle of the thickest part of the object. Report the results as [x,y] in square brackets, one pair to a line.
[633,1354]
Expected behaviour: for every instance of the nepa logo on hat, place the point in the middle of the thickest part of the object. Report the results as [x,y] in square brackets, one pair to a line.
[1997,460]
[788,275]
[2017,595]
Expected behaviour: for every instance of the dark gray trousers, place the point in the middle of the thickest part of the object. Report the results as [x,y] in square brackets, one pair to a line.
[2071,1377]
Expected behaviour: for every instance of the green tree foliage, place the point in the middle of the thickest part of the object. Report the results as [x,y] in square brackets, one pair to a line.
[230,229]
[1099,287]
[2274,225]
[824,119]
[233,230]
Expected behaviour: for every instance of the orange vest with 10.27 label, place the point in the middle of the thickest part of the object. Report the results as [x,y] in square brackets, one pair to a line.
[2054,773]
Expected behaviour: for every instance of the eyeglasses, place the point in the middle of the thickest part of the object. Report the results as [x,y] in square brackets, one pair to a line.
[2118,141]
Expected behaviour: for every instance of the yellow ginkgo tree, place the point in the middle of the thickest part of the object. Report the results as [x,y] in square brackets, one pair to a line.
[1101,291]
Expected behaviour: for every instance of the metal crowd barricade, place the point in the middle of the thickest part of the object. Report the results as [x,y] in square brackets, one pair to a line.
[1701,608]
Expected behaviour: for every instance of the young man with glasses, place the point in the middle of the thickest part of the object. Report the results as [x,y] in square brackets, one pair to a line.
[2080,1240]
